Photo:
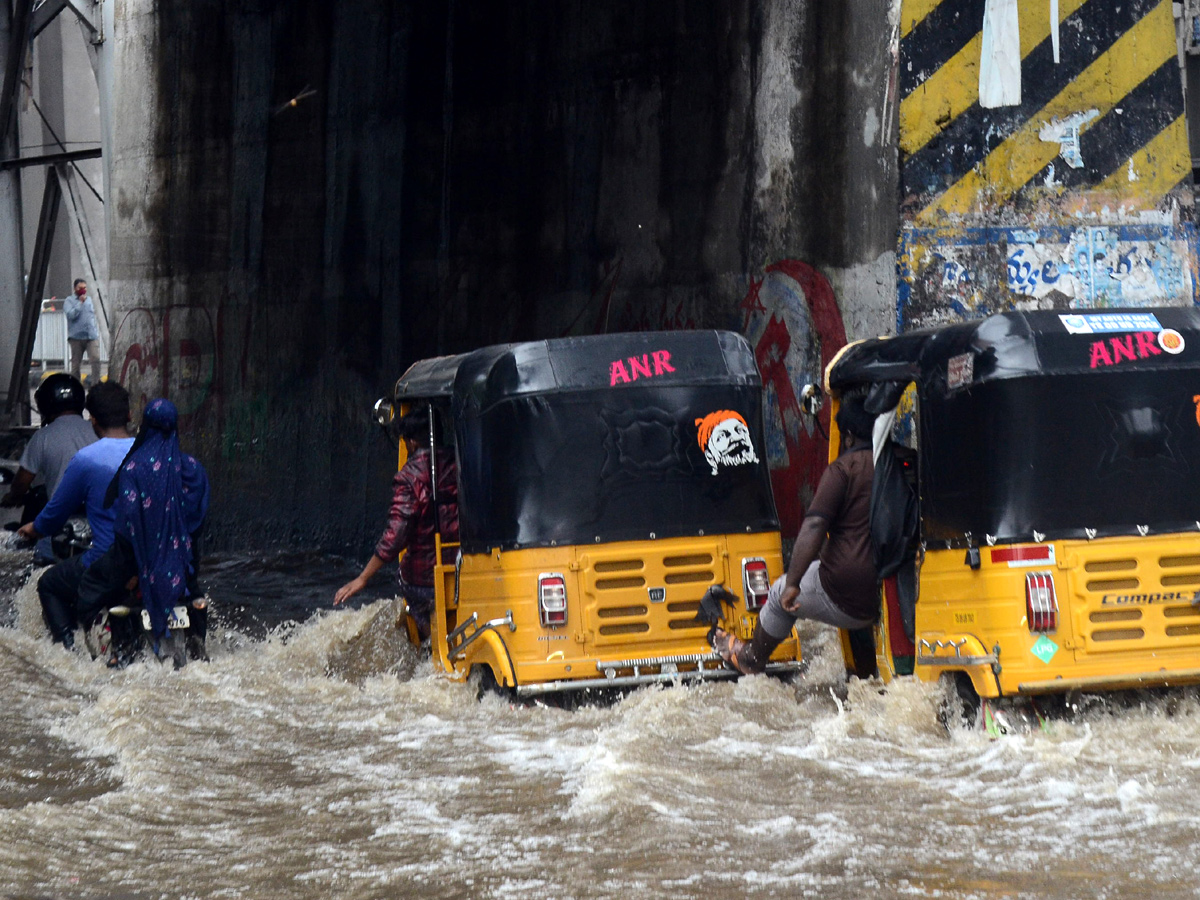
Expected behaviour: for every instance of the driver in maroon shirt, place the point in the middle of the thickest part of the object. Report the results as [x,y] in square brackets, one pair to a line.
[413,522]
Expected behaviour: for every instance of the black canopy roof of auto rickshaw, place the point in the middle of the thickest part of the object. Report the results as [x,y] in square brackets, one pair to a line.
[582,363]
[603,438]
[1036,425]
[1018,344]
[429,379]
[604,362]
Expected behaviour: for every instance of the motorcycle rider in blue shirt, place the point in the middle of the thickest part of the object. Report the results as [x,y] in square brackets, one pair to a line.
[85,482]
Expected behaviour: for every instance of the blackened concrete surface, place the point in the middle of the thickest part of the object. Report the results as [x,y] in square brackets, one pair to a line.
[454,174]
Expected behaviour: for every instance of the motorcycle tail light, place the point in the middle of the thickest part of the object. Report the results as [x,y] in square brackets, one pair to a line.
[552,600]
[1041,603]
[755,583]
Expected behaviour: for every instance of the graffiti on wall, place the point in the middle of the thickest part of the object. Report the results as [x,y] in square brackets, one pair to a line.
[667,314]
[1044,163]
[792,321]
[170,355]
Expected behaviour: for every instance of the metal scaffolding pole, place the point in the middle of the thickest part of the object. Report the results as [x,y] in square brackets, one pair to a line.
[14,43]
[51,198]
[20,297]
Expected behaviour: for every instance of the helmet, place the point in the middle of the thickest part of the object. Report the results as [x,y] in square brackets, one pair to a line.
[59,393]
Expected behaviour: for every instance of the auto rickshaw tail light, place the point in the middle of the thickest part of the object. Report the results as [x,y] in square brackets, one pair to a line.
[552,600]
[1041,603]
[755,583]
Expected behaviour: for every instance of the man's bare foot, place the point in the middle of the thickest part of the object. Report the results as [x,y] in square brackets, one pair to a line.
[729,647]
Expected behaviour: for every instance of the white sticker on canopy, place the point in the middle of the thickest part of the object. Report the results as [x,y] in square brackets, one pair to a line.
[724,439]
[1171,341]
[960,371]
[1102,323]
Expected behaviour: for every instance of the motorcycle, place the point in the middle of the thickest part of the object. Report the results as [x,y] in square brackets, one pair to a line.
[122,633]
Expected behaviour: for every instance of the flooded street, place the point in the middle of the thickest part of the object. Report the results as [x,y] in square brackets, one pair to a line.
[326,759]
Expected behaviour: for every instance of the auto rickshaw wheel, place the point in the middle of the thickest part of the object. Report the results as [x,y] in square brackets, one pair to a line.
[960,705]
[487,684]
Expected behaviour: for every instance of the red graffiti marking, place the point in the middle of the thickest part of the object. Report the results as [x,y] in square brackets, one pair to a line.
[648,365]
[174,356]
[1124,349]
[807,456]
[141,372]
[1196,400]
[827,317]
[139,359]
[664,320]
[752,303]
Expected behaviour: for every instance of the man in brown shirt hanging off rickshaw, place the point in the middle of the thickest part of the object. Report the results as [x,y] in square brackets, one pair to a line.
[831,577]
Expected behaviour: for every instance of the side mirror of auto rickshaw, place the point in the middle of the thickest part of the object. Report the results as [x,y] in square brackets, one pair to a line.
[384,412]
[812,399]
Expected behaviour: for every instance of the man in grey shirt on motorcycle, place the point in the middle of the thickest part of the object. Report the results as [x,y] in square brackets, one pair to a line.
[59,399]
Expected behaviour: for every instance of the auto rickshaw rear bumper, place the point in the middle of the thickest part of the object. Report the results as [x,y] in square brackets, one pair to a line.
[667,669]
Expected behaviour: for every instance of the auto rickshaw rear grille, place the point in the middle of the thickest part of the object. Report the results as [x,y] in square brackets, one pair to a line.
[618,565]
[684,606]
[1115,584]
[616,584]
[689,577]
[1126,614]
[1182,630]
[643,596]
[1110,565]
[689,608]
[1172,580]
[1118,634]
[1115,615]
[620,612]
[625,628]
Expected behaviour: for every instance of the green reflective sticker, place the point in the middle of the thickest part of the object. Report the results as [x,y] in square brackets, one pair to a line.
[1044,649]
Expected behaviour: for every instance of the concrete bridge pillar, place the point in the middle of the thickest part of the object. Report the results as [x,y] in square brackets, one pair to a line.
[306,197]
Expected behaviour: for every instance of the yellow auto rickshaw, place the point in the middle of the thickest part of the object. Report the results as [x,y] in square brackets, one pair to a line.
[605,484]
[1053,463]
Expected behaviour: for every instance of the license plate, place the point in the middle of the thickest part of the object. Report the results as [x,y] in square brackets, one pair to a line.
[177,618]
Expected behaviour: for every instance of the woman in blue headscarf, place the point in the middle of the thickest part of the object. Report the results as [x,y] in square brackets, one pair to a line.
[160,495]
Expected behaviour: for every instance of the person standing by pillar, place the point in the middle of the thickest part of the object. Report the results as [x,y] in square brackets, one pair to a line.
[82,332]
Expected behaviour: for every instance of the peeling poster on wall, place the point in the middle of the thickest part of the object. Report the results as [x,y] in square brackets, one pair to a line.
[1000,57]
[1066,133]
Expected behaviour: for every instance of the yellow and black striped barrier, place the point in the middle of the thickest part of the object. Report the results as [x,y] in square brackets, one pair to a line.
[1044,157]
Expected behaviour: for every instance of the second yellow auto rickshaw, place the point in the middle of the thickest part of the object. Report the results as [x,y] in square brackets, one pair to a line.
[1053,464]
[606,483]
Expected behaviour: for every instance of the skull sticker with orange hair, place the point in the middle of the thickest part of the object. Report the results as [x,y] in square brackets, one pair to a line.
[725,439]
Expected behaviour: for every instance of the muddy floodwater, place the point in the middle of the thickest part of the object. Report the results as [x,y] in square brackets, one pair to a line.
[318,756]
